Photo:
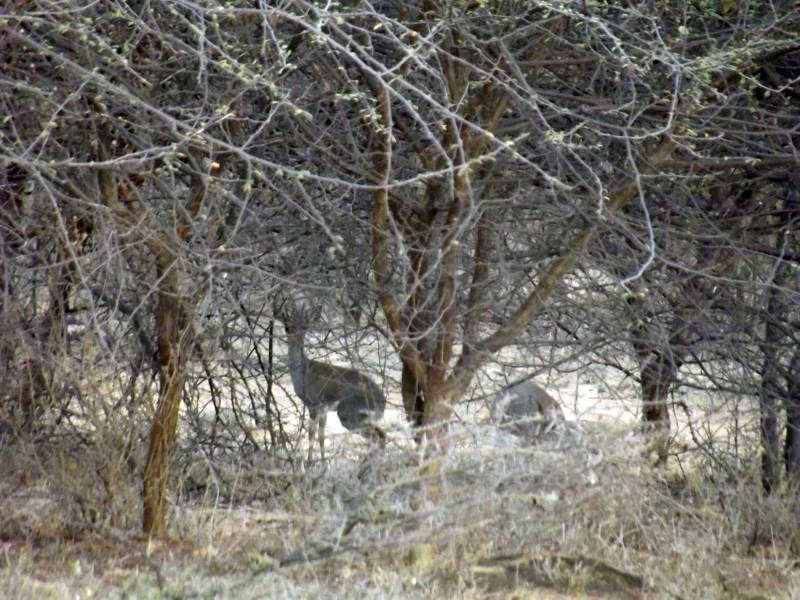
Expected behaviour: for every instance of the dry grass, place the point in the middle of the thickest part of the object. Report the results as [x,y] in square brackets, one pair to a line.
[492,519]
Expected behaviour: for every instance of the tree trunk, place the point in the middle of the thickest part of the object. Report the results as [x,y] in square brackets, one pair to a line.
[413,398]
[172,335]
[658,376]
[431,383]
[771,389]
[651,342]
[792,447]
[770,435]
[173,325]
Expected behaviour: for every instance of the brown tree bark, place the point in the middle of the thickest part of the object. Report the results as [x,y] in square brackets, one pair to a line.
[174,341]
[657,348]
[431,384]
[172,333]
[173,325]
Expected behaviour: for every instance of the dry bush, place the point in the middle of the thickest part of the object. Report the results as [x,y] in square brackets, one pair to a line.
[73,487]
[493,518]
[78,470]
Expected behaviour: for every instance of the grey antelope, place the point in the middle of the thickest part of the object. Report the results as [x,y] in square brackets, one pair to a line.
[322,387]
[526,410]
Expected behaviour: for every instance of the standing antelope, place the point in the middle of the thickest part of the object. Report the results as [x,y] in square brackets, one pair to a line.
[357,399]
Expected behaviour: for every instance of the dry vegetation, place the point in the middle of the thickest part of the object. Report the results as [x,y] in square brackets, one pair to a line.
[472,192]
[495,518]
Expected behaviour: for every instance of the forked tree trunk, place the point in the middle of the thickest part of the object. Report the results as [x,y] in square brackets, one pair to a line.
[431,382]
[172,336]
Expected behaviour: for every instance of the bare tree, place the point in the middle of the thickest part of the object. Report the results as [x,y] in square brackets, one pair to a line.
[438,169]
